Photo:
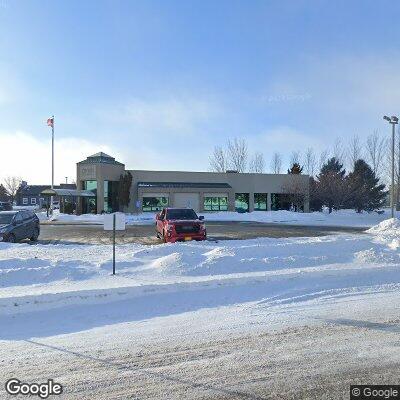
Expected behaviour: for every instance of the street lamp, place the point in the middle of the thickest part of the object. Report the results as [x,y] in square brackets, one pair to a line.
[394,121]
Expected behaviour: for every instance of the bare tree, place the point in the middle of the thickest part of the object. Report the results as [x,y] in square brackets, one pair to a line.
[276,163]
[12,184]
[375,149]
[338,150]
[310,162]
[323,158]
[355,150]
[218,160]
[237,154]
[257,163]
[295,157]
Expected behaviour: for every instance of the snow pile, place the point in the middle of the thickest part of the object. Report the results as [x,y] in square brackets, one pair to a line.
[388,232]
[337,218]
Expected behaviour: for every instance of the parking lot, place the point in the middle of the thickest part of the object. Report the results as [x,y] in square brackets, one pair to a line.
[74,233]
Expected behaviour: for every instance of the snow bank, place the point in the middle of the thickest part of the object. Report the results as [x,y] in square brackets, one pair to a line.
[337,218]
[387,232]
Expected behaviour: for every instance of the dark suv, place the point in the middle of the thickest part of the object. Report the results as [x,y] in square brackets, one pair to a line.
[18,225]
[5,206]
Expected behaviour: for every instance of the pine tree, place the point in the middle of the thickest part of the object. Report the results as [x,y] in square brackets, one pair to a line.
[295,169]
[124,189]
[331,187]
[3,194]
[365,191]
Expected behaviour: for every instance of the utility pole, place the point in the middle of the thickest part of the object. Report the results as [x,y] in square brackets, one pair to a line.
[50,122]
[393,120]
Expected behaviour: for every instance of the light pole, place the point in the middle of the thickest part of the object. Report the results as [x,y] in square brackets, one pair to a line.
[393,120]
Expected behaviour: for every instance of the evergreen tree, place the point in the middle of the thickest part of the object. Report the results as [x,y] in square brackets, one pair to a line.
[331,185]
[315,198]
[295,169]
[124,189]
[3,194]
[365,191]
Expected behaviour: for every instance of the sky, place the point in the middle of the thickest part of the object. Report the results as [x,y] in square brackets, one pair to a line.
[158,84]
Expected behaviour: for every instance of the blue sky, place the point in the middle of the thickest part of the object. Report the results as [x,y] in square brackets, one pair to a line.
[159,83]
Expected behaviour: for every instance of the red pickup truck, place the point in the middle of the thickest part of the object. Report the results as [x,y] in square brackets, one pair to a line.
[180,224]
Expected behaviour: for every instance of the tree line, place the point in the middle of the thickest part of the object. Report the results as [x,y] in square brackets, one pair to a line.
[363,188]
[375,150]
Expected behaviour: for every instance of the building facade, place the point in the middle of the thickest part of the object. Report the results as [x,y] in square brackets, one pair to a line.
[31,195]
[150,191]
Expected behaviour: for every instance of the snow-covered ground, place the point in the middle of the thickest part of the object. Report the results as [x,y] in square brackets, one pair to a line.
[337,218]
[187,320]
[274,271]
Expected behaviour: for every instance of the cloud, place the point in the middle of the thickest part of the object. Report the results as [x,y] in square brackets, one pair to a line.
[175,116]
[26,156]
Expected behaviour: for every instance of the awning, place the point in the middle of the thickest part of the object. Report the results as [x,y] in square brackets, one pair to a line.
[182,185]
[68,193]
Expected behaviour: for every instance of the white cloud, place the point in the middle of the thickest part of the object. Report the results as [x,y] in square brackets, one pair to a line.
[175,116]
[26,156]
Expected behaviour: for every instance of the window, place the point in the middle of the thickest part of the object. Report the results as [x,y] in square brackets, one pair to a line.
[242,202]
[25,200]
[154,203]
[33,200]
[110,196]
[183,213]
[217,203]
[89,205]
[280,201]
[260,201]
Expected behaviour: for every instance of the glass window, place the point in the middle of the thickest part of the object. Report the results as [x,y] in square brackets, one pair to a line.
[260,201]
[215,203]
[33,200]
[89,204]
[25,200]
[280,201]
[242,202]
[154,203]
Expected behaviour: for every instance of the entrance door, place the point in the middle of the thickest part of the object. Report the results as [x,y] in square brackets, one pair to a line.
[187,200]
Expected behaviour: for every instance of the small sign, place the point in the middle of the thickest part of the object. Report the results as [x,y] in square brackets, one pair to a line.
[120,221]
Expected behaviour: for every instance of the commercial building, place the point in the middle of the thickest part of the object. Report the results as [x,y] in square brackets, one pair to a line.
[102,175]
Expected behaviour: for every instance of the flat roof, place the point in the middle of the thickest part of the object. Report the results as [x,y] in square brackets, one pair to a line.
[68,192]
[209,185]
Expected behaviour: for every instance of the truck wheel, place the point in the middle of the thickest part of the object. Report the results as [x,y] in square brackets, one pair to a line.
[35,235]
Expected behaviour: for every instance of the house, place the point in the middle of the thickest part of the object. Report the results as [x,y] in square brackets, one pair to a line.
[30,195]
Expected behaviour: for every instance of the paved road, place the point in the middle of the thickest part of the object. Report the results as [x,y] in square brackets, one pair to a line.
[145,234]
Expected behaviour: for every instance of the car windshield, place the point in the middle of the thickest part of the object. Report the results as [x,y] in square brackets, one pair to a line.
[6,218]
[181,214]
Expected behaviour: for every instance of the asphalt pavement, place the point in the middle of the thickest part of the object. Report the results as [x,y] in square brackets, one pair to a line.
[74,233]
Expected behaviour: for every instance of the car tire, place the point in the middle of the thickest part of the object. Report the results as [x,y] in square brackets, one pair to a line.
[35,235]
[11,238]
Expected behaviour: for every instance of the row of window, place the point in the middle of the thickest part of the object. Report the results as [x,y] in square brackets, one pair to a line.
[220,203]
[25,201]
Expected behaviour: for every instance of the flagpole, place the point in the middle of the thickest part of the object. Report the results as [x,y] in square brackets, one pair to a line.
[52,160]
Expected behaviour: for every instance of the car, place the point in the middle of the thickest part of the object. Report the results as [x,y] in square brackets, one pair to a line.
[5,206]
[19,225]
[180,224]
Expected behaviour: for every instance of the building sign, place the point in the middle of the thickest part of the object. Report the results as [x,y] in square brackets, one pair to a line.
[87,172]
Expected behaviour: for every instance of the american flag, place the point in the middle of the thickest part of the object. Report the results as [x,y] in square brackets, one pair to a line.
[50,122]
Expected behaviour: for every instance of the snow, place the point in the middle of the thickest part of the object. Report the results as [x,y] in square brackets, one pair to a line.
[346,218]
[195,274]
[203,319]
